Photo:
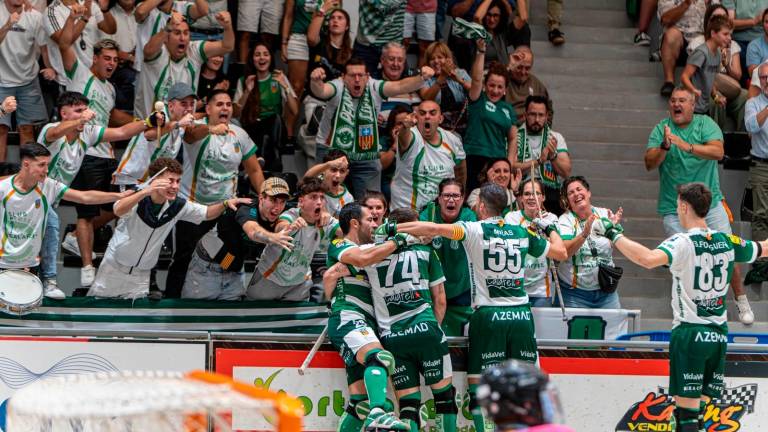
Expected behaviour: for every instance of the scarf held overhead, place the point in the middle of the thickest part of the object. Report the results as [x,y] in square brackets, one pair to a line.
[356,131]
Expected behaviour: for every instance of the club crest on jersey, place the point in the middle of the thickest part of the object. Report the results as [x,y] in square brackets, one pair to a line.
[37,203]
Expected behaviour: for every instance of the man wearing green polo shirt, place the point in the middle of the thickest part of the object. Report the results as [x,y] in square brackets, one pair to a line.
[685,147]
[447,208]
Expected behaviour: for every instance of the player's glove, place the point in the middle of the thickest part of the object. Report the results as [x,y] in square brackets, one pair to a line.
[546,224]
[404,240]
[607,229]
[385,231]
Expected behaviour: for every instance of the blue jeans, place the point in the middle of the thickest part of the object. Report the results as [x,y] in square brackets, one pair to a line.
[540,301]
[30,105]
[717,219]
[49,252]
[363,175]
[208,281]
[579,298]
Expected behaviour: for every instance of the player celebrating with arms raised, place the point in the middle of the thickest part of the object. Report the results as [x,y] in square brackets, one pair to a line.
[501,326]
[701,261]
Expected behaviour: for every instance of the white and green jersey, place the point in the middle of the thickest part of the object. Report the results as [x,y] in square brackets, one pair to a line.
[581,269]
[538,282]
[211,165]
[352,295]
[401,286]
[155,22]
[292,268]
[160,73]
[23,215]
[701,262]
[66,157]
[422,167]
[140,153]
[334,203]
[101,100]
[496,253]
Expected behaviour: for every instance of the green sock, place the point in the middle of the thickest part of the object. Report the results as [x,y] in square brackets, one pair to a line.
[702,410]
[414,425]
[445,422]
[477,412]
[350,422]
[688,419]
[375,378]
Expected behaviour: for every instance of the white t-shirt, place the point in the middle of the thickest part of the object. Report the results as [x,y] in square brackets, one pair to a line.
[101,100]
[160,73]
[538,281]
[422,167]
[23,216]
[125,36]
[55,17]
[580,270]
[20,49]
[211,165]
[66,157]
[292,268]
[334,203]
[140,153]
[326,122]
[153,23]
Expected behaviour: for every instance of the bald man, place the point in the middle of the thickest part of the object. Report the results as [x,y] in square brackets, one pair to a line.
[426,154]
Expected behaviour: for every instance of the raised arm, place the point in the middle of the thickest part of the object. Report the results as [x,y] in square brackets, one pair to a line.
[91,197]
[482,10]
[257,233]
[477,72]
[108,25]
[215,210]
[640,254]
[154,46]
[408,85]
[319,87]
[133,128]
[431,229]
[199,9]
[72,29]
[144,8]
[227,43]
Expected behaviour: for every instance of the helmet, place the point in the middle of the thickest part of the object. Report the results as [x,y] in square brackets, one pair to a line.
[516,394]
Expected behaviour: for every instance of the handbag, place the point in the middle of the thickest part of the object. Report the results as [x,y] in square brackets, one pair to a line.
[608,276]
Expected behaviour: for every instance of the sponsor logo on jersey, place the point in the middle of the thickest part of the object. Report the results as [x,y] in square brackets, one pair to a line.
[711,336]
[511,315]
[416,328]
[737,240]
[403,297]
[493,355]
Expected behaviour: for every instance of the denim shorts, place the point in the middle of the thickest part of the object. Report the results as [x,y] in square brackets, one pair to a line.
[30,108]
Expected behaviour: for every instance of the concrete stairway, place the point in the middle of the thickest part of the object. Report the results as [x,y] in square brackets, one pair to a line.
[606,102]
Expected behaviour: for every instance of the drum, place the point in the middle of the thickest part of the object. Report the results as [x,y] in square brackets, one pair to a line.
[21,292]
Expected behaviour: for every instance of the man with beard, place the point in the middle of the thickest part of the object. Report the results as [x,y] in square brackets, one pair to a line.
[522,82]
[426,154]
[351,325]
[146,219]
[286,275]
[170,57]
[685,147]
[216,269]
[538,145]
[213,153]
[350,118]
[448,208]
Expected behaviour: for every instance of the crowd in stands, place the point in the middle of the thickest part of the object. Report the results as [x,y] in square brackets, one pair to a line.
[210,110]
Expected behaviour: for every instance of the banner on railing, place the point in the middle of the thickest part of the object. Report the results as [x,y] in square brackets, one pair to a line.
[583,323]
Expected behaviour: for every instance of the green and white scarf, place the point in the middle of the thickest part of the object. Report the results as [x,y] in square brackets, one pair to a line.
[469,30]
[356,132]
[547,173]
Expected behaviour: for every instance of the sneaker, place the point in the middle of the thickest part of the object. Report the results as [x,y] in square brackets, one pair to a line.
[642,39]
[52,291]
[556,37]
[655,57]
[70,244]
[745,311]
[378,419]
[87,275]
[155,294]
[667,88]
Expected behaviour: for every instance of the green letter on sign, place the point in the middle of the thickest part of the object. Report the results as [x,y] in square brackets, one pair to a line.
[586,327]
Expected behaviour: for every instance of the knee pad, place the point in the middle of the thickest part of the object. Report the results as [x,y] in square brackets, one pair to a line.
[359,408]
[445,401]
[409,408]
[473,403]
[382,358]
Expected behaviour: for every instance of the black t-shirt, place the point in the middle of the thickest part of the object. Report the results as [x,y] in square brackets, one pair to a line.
[318,58]
[230,231]
[205,85]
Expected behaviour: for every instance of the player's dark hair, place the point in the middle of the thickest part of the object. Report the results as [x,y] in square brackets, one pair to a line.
[170,165]
[32,151]
[70,99]
[697,195]
[334,154]
[309,185]
[494,197]
[536,99]
[355,61]
[403,215]
[348,213]
[564,189]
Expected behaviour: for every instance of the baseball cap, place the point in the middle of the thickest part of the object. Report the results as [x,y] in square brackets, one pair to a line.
[180,91]
[274,186]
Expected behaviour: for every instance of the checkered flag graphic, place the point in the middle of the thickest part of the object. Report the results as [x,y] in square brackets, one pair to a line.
[744,395]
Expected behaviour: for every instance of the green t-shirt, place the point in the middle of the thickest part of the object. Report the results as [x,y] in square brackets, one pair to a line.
[488,127]
[302,15]
[457,280]
[270,95]
[353,292]
[680,167]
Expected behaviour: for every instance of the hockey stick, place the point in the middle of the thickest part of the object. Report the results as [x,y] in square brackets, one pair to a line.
[313,351]
[550,262]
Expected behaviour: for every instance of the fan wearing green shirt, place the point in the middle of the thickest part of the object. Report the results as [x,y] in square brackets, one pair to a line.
[448,208]
[685,147]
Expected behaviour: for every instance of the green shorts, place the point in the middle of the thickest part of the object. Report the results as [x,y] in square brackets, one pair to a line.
[498,333]
[349,338]
[422,350]
[456,320]
[697,360]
